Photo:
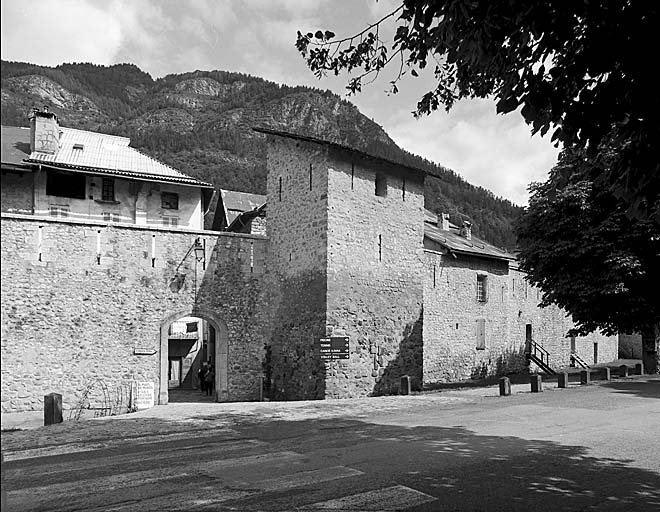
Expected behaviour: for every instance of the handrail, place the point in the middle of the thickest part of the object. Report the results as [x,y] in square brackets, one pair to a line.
[538,351]
[577,359]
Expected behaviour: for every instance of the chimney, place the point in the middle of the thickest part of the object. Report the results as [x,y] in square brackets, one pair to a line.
[444,221]
[44,132]
[466,230]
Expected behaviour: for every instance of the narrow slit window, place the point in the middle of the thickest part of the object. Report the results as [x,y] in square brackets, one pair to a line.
[280,189]
[352,175]
[403,189]
[380,247]
[310,176]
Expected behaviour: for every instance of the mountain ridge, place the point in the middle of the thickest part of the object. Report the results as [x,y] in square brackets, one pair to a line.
[200,122]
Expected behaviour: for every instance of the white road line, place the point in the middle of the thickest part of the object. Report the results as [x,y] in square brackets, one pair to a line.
[303,478]
[398,497]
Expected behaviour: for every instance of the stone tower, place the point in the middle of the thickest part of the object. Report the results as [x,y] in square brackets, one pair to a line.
[346,242]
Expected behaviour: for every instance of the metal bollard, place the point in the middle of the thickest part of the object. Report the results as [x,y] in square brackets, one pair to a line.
[52,408]
[562,380]
[505,386]
[537,383]
[585,377]
[405,385]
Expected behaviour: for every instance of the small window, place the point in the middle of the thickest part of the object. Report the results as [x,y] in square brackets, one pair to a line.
[170,221]
[169,200]
[63,184]
[381,185]
[482,288]
[108,189]
[59,211]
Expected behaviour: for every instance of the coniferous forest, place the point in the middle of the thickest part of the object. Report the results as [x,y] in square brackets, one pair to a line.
[201,124]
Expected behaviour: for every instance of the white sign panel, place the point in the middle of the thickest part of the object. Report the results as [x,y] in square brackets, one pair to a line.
[143,395]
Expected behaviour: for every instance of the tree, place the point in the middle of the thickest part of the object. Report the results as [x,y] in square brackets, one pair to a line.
[578,245]
[573,67]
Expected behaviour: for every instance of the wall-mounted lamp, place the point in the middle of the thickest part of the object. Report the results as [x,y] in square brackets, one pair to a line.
[199,248]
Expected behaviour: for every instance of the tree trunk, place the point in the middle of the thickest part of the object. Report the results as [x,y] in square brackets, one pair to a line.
[651,349]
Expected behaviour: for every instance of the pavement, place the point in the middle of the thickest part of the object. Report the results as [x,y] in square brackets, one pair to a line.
[586,447]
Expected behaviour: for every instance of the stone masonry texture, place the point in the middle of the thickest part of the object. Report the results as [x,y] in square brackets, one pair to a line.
[72,320]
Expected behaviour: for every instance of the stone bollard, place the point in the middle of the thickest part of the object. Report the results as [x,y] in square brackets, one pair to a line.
[405,385]
[562,380]
[585,377]
[505,386]
[52,408]
[639,369]
[537,383]
[623,371]
[607,373]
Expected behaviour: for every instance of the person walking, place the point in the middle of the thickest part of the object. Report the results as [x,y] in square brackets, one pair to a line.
[201,375]
[209,380]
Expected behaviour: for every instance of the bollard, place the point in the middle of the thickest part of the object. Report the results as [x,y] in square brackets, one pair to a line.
[261,388]
[562,380]
[405,385]
[52,408]
[623,371]
[537,383]
[639,369]
[585,377]
[505,386]
[608,373]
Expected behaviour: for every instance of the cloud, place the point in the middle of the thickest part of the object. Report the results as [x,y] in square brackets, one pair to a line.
[49,33]
[493,151]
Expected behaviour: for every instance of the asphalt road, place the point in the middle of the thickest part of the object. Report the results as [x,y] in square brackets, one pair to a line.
[585,448]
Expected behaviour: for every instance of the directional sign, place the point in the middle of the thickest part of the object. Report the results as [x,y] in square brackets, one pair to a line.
[334,347]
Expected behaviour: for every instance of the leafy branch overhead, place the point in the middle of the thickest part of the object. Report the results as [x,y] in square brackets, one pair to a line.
[570,68]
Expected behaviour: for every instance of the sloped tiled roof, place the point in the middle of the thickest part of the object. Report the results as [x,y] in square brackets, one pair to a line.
[109,154]
[15,145]
[455,243]
[236,203]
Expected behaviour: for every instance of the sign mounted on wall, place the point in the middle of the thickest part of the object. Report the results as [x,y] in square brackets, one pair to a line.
[334,347]
[143,351]
[142,395]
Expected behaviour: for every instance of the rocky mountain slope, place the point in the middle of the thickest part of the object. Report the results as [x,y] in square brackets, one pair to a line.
[201,123]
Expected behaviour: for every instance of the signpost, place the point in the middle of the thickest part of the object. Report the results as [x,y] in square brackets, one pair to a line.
[334,347]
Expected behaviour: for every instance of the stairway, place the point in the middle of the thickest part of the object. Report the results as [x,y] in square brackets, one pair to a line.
[577,360]
[540,356]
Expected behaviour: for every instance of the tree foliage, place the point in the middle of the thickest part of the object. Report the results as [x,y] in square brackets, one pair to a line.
[570,67]
[587,256]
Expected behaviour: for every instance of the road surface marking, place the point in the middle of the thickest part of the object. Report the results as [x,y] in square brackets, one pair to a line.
[398,497]
[303,478]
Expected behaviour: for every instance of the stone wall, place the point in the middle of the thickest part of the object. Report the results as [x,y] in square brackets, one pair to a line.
[297,231]
[452,314]
[375,274]
[80,299]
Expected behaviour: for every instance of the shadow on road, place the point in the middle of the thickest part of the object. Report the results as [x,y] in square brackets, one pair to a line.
[461,470]
[644,389]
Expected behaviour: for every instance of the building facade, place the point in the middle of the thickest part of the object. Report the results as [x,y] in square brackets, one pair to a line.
[354,286]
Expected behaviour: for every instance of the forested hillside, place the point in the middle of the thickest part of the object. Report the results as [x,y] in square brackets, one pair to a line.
[201,123]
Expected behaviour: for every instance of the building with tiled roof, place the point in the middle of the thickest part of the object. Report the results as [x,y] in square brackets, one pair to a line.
[63,172]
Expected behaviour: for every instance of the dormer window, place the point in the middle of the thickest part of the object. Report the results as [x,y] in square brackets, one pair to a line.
[79,147]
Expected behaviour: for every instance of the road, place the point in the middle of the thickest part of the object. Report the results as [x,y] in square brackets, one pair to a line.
[591,447]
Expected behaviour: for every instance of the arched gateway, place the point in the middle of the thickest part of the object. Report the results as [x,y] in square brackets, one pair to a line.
[220,355]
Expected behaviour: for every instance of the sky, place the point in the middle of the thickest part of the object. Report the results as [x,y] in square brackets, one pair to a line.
[257,37]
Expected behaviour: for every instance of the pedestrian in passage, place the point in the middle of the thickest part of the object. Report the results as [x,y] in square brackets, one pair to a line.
[201,375]
[209,380]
